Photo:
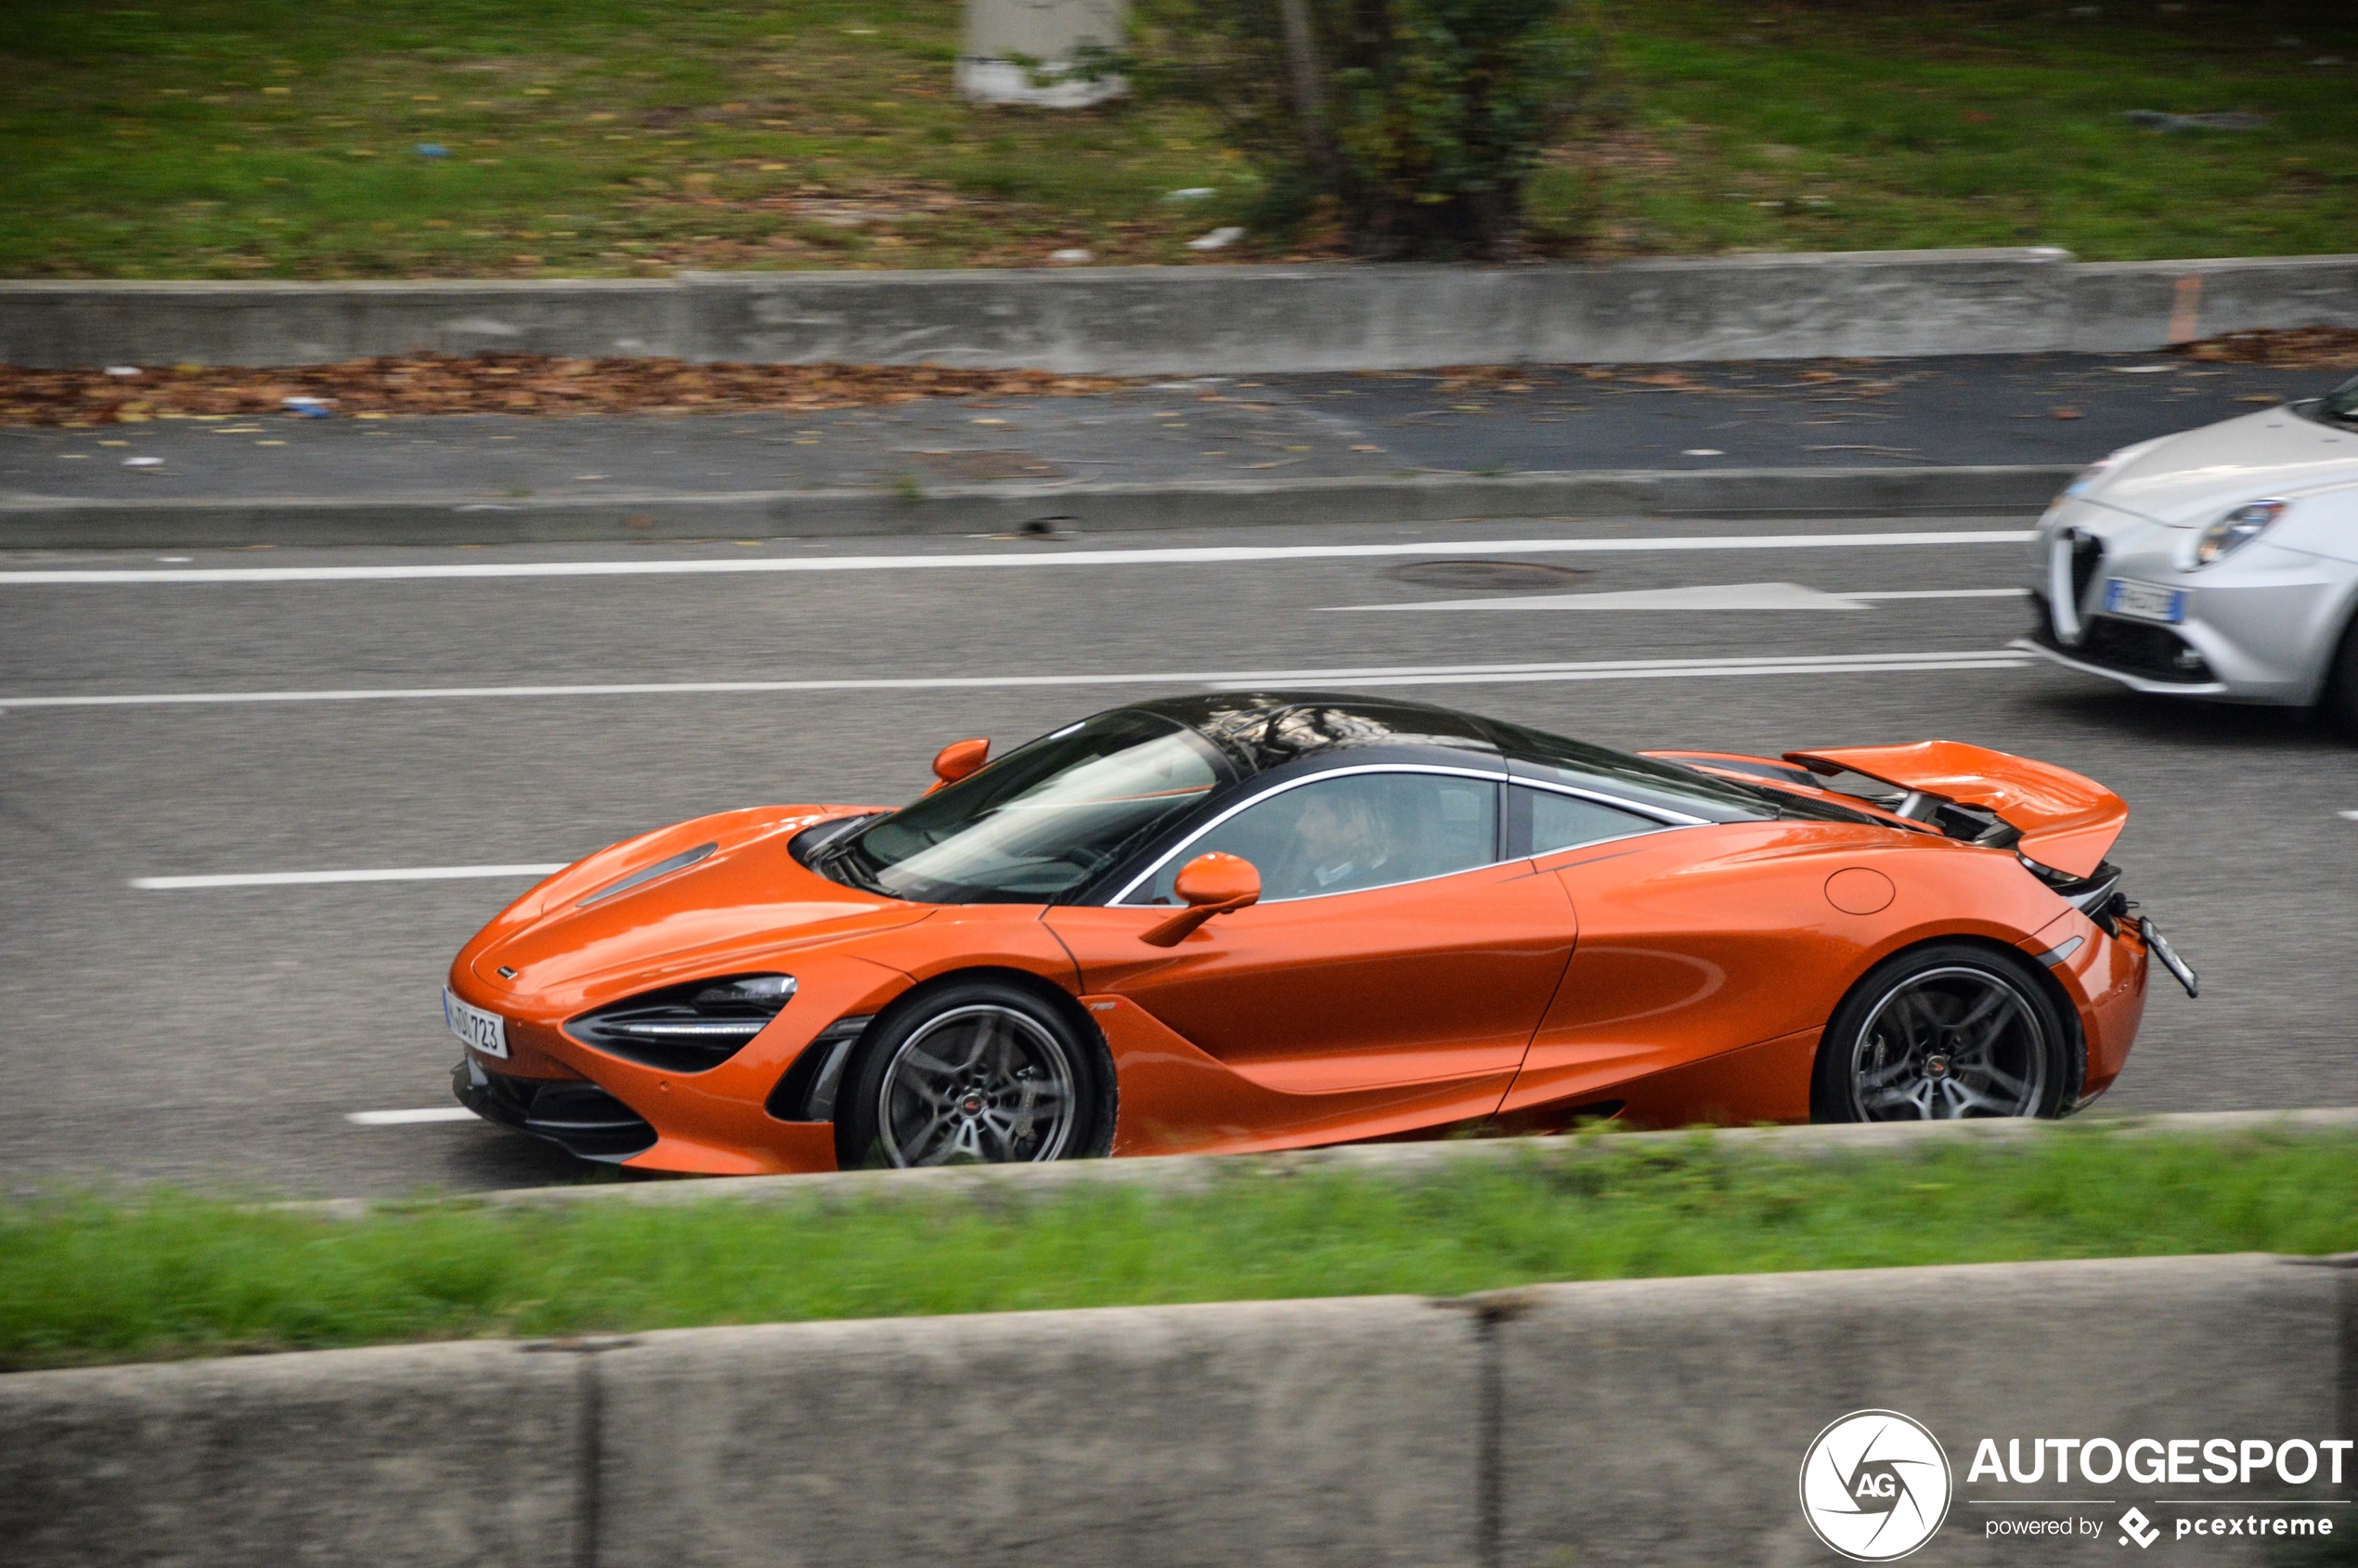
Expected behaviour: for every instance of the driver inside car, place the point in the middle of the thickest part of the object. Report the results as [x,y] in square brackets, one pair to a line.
[1341,843]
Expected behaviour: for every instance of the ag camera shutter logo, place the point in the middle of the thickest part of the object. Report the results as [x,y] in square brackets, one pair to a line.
[1875,1485]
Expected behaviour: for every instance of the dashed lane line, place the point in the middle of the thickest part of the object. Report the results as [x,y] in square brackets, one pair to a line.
[310,878]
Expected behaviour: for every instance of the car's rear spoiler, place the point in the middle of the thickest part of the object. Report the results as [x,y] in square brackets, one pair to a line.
[2066,821]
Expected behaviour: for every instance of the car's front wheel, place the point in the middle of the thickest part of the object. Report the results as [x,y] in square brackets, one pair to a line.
[1945,1031]
[975,1072]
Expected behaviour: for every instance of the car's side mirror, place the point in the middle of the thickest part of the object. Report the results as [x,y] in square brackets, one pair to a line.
[1209,885]
[957,759]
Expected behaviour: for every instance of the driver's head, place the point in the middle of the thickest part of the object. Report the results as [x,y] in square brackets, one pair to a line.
[1337,825]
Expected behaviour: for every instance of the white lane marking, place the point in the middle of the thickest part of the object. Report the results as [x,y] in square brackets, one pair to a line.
[1203,555]
[2348,816]
[409,1118]
[1389,675]
[1735,667]
[1942,593]
[1703,596]
[305,878]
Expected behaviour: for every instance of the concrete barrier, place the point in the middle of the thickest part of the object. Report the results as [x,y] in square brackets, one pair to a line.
[46,324]
[415,1455]
[1216,319]
[1641,1423]
[1716,1388]
[1286,1432]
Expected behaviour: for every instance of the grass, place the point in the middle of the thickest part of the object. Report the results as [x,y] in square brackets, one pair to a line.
[1820,127]
[232,138]
[84,1279]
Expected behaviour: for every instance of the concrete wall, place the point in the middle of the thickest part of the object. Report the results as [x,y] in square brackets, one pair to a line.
[398,1458]
[1648,1422]
[1215,319]
[1722,1384]
[63,324]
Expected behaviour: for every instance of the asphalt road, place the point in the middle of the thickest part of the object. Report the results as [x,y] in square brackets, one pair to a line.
[223,1035]
[2047,409]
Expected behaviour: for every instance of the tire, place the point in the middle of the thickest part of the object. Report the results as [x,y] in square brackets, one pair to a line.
[1947,1031]
[975,1071]
[2340,704]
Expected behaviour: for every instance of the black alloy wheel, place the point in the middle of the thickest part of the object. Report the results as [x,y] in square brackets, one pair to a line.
[1948,1032]
[975,1072]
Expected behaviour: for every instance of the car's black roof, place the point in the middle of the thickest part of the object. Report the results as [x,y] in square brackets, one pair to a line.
[1261,730]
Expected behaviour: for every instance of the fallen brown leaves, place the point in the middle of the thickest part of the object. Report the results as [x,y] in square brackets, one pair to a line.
[1484,378]
[2296,348]
[501,383]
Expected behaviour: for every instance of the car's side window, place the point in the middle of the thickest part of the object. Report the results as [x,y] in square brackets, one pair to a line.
[1540,821]
[1355,831]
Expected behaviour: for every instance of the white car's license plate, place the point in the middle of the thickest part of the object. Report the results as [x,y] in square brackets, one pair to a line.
[478,1031]
[2145,602]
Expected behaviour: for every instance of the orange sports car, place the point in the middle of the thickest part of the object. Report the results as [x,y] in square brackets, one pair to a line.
[1261,921]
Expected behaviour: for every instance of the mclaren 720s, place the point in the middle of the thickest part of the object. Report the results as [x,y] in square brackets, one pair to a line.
[1263,921]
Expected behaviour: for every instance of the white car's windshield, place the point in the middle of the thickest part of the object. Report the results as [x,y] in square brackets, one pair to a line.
[1037,822]
[2341,404]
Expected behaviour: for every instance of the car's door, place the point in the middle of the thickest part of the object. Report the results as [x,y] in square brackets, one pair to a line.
[1393,943]
[1686,956]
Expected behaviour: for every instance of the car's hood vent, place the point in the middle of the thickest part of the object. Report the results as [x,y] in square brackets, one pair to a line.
[647,873]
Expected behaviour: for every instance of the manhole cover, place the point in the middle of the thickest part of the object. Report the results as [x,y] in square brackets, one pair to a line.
[1479,575]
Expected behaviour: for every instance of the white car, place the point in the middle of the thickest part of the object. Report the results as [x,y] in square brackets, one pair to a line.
[2221,563]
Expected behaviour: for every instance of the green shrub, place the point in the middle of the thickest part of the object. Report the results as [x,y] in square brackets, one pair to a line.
[1419,121]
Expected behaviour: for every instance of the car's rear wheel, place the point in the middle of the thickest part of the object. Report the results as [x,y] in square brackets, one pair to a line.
[1946,1032]
[975,1072]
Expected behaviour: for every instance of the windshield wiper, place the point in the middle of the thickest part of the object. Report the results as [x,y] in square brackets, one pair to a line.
[836,862]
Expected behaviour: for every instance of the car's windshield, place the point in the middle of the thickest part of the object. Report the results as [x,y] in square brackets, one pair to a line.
[1037,822]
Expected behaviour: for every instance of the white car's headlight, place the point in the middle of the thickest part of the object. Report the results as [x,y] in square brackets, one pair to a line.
[2235,530]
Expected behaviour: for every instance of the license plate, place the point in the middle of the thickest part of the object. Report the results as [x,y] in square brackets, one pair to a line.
[476,1030]
[2145,602]
[2180,970]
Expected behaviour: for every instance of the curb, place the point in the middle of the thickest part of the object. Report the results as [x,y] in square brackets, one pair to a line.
[45,524]
[1226,319]
[1197,1173]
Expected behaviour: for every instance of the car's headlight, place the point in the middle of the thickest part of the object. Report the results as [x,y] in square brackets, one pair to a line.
[686,1027]
[2235,530]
